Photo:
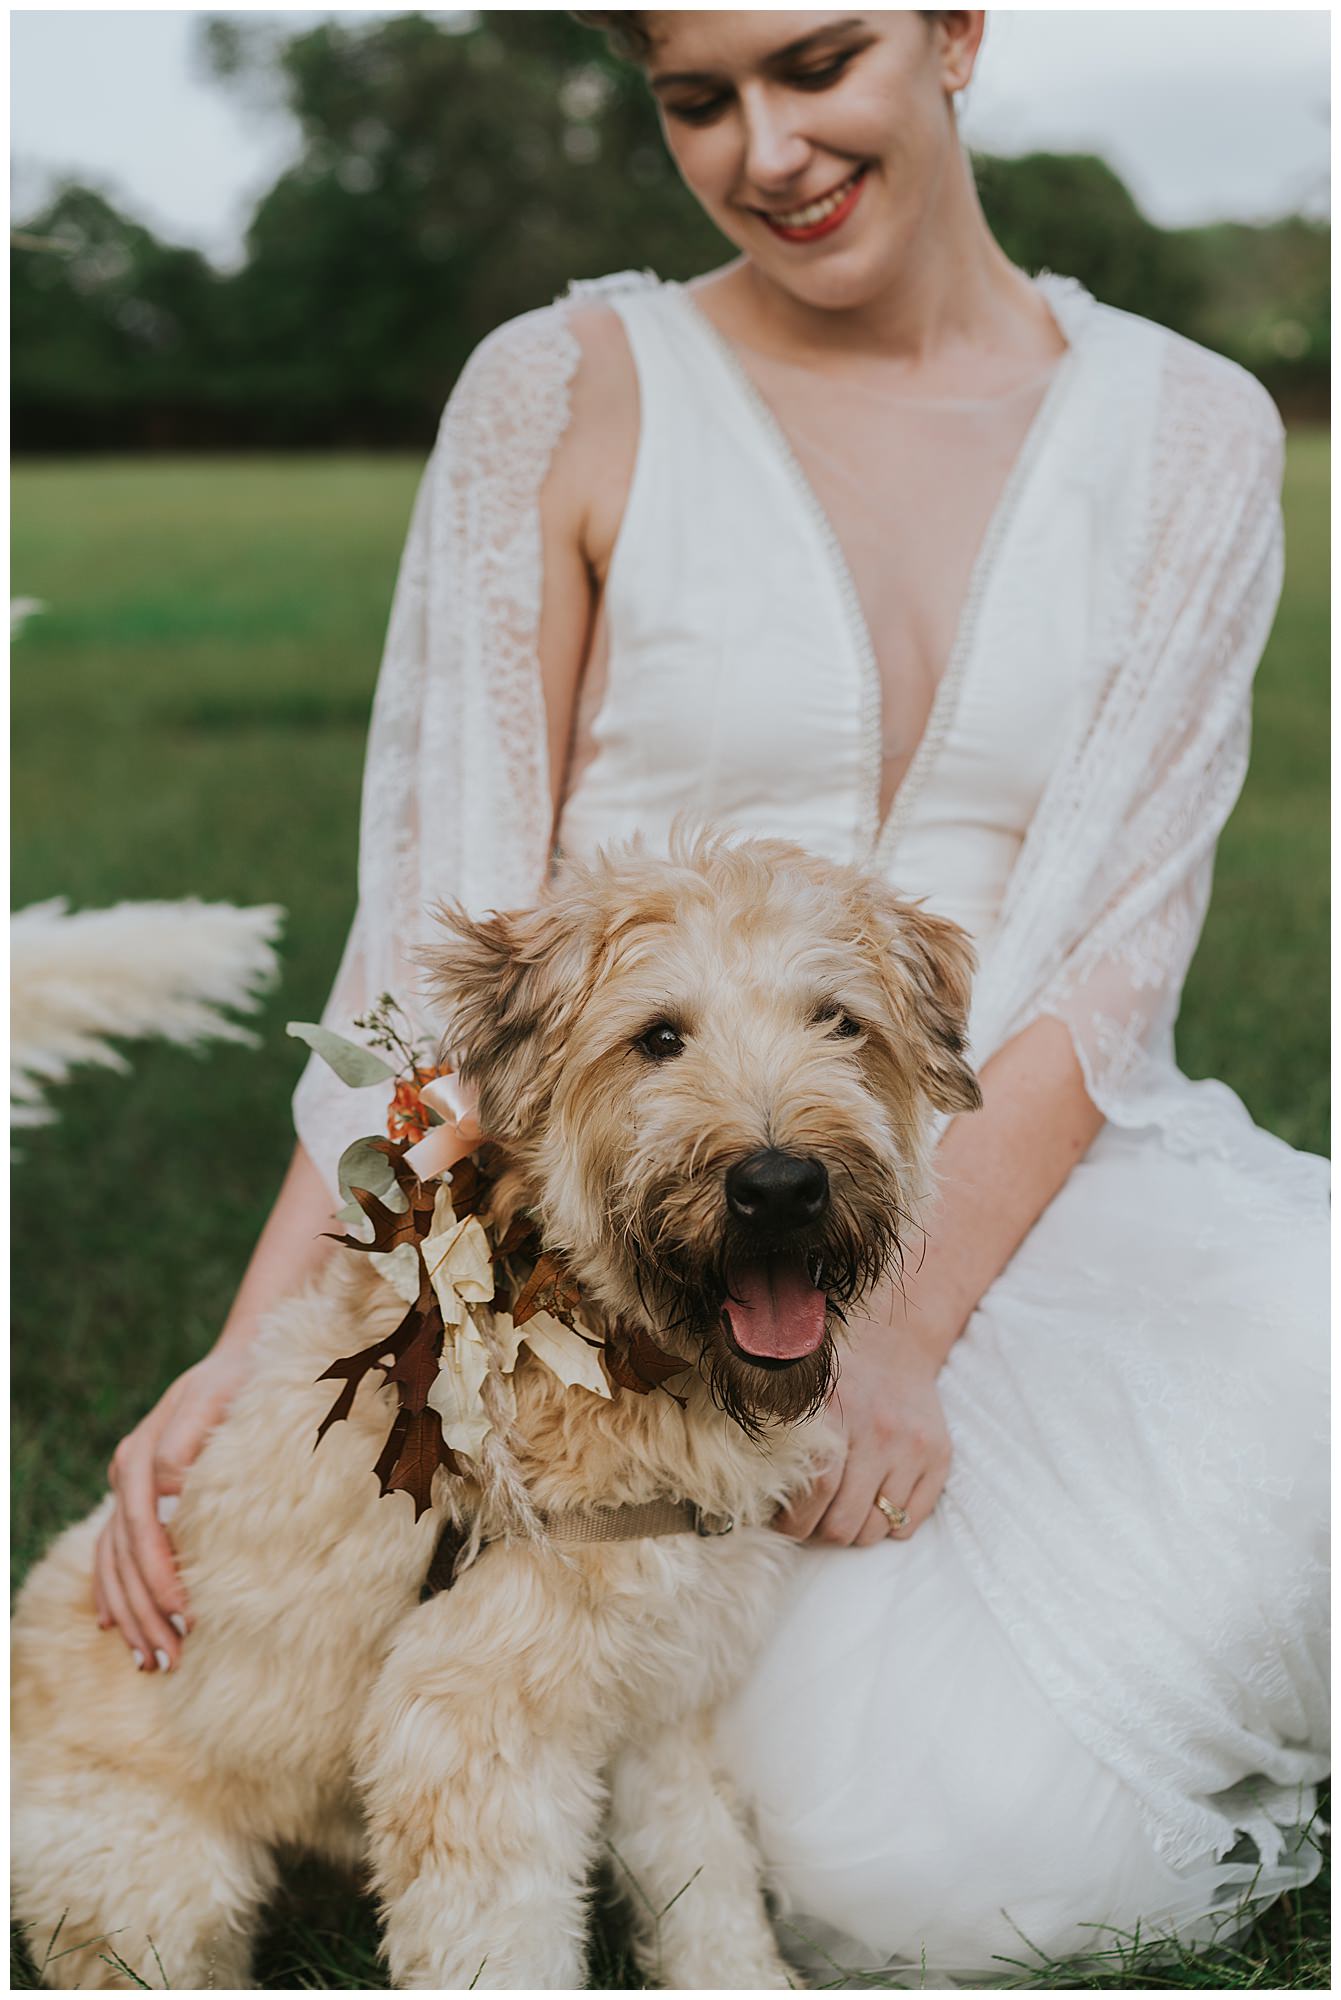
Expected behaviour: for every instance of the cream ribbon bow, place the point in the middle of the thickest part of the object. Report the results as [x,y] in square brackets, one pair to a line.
[459,1133]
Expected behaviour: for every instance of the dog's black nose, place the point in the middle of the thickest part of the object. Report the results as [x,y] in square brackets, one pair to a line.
[776,1191]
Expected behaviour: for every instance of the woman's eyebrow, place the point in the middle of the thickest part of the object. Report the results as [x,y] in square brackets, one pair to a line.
[664,79]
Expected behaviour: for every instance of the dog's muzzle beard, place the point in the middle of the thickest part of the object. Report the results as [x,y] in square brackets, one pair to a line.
[684,1286]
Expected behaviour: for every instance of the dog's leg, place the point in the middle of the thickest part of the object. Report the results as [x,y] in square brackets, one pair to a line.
[687,1868]
[479,1760]
[124,1884]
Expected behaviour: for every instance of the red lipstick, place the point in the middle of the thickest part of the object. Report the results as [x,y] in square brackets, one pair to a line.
[810,232]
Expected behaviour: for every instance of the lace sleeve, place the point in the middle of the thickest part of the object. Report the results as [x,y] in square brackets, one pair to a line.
[456,798]
[1171,742]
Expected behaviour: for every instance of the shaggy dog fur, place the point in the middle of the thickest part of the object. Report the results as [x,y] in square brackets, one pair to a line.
[651,1026]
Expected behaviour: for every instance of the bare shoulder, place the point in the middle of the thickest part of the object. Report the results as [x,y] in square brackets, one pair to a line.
[593,467]
[566,369]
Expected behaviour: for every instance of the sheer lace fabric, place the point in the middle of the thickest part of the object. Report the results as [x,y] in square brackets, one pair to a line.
[1097,925]
[1106,908]
[456,800]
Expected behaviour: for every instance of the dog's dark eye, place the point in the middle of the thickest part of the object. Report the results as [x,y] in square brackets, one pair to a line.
[838,1023]
[661,1042]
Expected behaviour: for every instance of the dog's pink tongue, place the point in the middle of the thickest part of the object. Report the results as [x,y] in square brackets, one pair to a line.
[775,1310]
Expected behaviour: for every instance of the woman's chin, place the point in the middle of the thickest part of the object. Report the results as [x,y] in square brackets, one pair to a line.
[842,281]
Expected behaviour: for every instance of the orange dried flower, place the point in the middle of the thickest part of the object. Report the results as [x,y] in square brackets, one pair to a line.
[407,1116]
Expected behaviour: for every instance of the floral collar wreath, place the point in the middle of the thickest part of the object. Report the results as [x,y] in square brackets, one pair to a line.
[471,1302]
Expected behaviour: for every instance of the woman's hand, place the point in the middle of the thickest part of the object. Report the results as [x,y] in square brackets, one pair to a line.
[997,1169]
[135,1582]
[897,1443]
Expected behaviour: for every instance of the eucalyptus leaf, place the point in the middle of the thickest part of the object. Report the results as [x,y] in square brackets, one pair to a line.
[363,1165]
[351,1064]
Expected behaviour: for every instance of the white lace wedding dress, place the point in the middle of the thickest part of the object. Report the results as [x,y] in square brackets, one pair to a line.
[1089,1697]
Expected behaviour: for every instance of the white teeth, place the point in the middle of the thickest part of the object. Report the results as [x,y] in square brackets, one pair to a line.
[802,218]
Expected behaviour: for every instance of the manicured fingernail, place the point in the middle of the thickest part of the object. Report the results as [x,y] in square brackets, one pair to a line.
[138,1659]
[178,1623]
[161,1661]
[166,1505]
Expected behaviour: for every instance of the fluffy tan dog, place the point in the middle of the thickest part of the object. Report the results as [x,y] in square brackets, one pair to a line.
[712,1081]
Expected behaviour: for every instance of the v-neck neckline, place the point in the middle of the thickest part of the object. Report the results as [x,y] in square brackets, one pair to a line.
[879,836]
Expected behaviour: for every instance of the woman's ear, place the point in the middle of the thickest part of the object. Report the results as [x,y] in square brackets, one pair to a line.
[508,986]
[927,971]
[958,34]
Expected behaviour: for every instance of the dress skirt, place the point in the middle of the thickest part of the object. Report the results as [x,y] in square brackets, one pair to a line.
[1085,1705]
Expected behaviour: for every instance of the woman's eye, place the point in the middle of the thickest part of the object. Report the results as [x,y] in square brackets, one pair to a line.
[703,110]
[661,1042]
[824,74]
[701,113]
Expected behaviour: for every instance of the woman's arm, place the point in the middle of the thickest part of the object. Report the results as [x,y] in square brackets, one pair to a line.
[135,1580]
[998,1169]
[136,1585]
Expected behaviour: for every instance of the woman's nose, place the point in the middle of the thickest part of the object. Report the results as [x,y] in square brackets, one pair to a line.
[776,152]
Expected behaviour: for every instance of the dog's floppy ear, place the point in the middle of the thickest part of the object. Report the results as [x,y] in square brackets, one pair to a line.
[507,986]
[928,972]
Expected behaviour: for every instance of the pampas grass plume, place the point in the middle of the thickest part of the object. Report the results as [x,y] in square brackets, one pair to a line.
[137,969]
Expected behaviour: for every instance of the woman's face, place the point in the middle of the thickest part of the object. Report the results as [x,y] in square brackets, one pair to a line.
[817,142]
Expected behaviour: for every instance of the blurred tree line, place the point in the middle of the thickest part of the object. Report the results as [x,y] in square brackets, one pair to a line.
[452,174]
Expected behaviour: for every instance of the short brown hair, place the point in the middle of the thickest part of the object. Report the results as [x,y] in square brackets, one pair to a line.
[629,38]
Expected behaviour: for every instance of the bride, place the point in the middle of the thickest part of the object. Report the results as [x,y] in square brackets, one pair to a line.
[869,540]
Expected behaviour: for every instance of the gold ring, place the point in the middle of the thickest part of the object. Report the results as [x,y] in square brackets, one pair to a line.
[896,1516]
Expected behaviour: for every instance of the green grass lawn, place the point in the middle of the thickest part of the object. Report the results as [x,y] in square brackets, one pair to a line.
[188,719]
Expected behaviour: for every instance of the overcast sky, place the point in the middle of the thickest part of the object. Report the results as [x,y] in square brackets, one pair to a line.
[1206,115]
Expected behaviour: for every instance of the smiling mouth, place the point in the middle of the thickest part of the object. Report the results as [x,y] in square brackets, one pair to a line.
[817,218]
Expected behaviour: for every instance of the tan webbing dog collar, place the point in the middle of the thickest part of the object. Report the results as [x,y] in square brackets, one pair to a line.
[634,1523]
[590,1524]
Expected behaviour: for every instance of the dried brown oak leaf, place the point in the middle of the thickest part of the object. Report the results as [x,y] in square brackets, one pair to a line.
[522,1233]
[415,1446]
[415,1368]
[634,1361]
[352,1368]
[551,1287]
[412,1454]
[409,1356]
[390,1229]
